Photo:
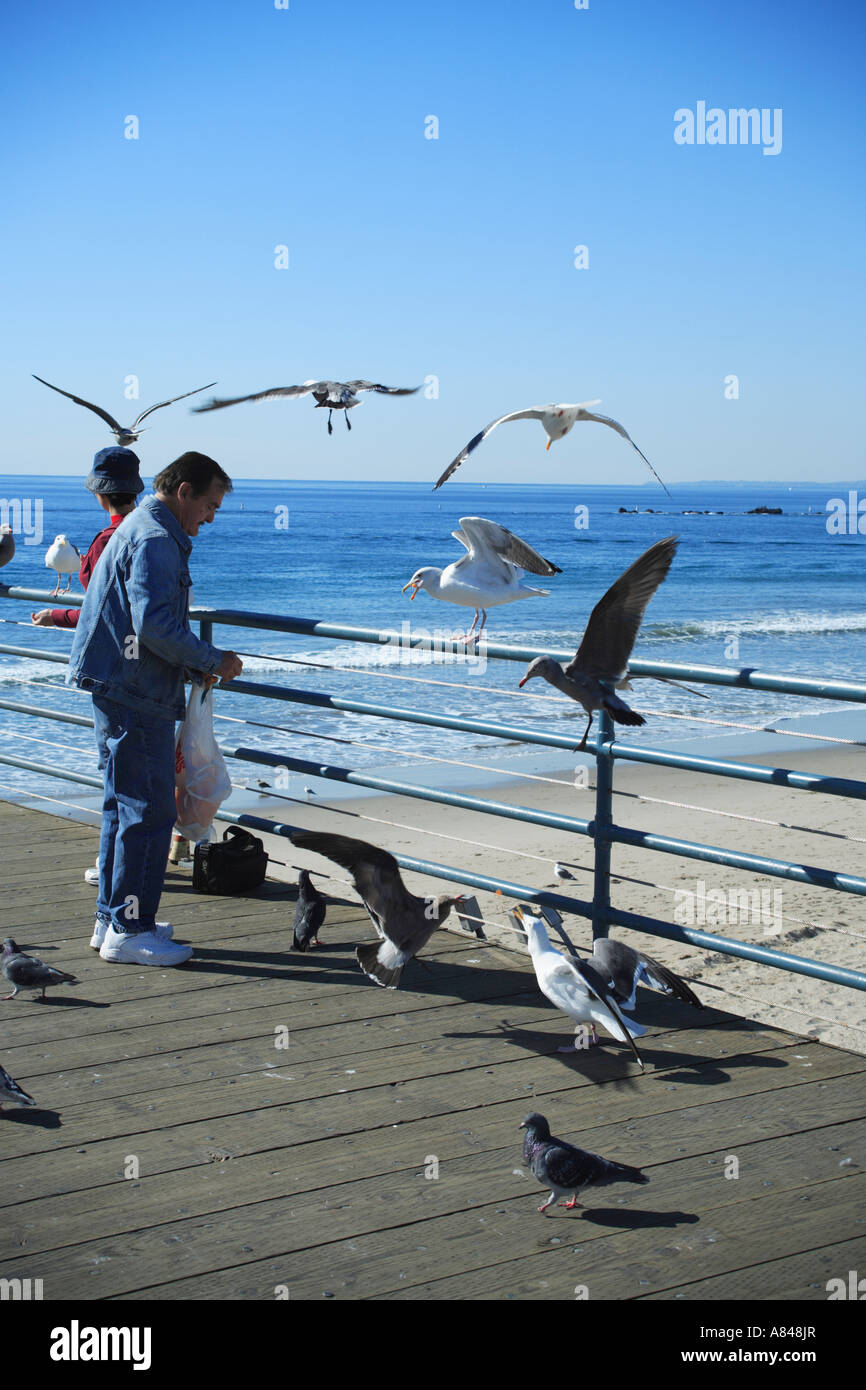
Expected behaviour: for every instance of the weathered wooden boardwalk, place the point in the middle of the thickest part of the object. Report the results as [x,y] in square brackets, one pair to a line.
[306,1171]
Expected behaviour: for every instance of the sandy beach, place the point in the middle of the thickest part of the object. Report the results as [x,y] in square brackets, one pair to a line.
[804,827]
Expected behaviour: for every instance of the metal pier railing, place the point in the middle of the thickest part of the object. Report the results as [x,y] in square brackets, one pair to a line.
[601,828]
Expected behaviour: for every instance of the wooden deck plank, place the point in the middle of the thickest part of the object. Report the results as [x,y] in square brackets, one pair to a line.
[306,1166]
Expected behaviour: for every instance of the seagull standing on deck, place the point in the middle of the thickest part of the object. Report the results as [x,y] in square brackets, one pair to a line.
[63,557]
[576,988]
[124,436]
[405,923]
[556,420]
[489,574]
[602,657]
[328,395]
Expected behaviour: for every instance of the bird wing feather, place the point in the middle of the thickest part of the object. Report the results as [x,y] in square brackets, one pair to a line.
[616,618]
[375,874]
[109,419]
[144,414]
[484,535]
[615,425]
[383,390]
[536,413]
[273,393]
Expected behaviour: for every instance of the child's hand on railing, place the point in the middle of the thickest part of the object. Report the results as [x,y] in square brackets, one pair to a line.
[43,618]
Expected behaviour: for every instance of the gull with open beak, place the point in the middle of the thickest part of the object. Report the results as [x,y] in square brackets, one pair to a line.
[576,987]
[488,575]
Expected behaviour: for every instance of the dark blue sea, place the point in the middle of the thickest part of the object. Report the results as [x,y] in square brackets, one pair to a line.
[782,593]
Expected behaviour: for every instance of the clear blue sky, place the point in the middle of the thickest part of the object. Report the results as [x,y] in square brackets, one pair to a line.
[412,257]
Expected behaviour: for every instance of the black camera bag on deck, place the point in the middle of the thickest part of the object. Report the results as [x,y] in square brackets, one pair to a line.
[230,865]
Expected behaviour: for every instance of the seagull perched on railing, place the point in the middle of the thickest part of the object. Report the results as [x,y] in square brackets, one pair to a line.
[329,395]
[601,660]
[557,421]
[65,558]
[7,544]
[489,574]
[124,436]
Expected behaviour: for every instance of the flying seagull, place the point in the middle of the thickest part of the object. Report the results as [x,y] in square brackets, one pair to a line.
[566,1169]
[329,395]
[557,420]
[602,657]
[65,558]
[404,922]
[124,437]
[7,544]
[623,969]
[26,972]
[576,987]
[11,1093]
[489,574]
[309,913]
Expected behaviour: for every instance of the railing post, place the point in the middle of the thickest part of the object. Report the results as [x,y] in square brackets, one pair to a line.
[605,735]
[205,630]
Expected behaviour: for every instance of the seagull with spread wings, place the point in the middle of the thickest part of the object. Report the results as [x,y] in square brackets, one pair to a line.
[601,661]
[124,436]
[404,922]
[489,574]
[328,395]
[557,420]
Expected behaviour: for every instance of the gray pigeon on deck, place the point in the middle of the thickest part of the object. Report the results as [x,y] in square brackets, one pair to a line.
[403,921]
[566,1169]
[11,1093]
[27,972]
[623,969]
[309,913]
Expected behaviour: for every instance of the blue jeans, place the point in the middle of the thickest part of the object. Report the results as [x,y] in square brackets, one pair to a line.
[136,758]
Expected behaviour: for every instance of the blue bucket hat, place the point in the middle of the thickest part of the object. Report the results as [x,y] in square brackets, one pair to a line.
[114,470]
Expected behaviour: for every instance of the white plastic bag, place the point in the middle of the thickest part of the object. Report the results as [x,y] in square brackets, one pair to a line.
[201,778]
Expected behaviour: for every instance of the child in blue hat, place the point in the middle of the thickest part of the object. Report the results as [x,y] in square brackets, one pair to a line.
[115,481]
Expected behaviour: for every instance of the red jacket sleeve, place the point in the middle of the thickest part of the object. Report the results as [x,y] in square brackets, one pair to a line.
[68,617]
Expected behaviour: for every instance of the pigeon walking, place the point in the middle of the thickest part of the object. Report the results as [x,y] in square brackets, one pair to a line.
[623,969]
[124,436]
[566,1169]
[403,921]
[576,987]
[11,1093]
[601,660]
[309,913]
[328,395]
[26,972]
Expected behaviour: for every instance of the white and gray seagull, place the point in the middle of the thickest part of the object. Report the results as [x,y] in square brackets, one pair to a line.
[601,661]
[329,395]
[557,420]
[489,574]
[576,987]
[124,436]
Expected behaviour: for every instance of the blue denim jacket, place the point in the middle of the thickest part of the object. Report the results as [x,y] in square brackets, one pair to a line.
[133,639]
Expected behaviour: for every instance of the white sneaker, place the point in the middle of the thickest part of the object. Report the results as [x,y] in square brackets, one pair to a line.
[142,948]
[92,875]
[163,929]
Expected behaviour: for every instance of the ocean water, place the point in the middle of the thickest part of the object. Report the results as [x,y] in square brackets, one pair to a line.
[778,593]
